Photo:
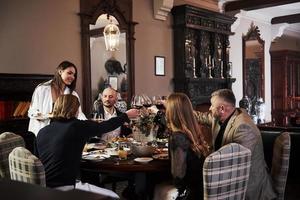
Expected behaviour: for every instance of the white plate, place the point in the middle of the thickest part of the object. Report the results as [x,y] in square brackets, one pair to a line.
[95,156]
[161,156]
[143,159]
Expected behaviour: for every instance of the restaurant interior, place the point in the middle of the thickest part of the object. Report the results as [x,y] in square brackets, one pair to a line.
[165,46]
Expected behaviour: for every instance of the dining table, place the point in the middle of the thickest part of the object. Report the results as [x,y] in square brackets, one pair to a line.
[144,175]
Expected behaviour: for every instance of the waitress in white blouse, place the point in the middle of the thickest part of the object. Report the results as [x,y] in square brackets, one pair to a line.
[45,95]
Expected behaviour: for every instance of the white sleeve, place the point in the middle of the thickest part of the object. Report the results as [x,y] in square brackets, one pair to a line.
[81,115]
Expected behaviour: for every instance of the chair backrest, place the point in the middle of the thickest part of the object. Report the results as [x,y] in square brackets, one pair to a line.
[26,167]
[8,141]
[226,173]
[280,163]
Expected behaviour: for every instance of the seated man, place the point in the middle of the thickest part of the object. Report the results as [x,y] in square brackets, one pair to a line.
[108,110]
[230,124]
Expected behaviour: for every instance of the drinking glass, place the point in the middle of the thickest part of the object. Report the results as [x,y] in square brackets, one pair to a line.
[137,101]
[157,101]
[98,117]
[146,101]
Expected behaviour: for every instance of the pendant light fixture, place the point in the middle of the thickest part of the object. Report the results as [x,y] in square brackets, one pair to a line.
[111,36]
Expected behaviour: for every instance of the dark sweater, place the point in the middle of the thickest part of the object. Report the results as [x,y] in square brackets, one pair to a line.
[186,166]
[60,146]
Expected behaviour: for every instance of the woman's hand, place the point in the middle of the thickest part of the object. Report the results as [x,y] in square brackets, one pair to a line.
[133,113]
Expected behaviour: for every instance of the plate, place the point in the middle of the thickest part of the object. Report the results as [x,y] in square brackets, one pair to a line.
[161,156]
[95,156]
[143,159]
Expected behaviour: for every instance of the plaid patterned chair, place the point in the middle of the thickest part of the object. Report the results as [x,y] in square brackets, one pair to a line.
[8,141]
[280,163]
[226,173]
[25,167]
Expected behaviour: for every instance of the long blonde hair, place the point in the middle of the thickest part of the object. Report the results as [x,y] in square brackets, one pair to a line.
[180,117]
[65,107]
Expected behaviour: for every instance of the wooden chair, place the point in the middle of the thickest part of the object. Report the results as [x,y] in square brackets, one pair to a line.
[26,167]
[280,163]
[226,173]
[8,141]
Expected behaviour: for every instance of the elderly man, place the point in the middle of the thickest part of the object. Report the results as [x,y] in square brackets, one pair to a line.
[108,110]
[230,124]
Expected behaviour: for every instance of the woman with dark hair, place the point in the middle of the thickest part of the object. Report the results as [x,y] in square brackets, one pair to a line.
[45,94]
[187,150]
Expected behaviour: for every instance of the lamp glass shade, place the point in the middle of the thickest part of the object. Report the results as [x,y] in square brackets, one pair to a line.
[111,36]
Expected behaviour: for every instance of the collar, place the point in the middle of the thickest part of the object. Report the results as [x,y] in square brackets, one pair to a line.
[224,124]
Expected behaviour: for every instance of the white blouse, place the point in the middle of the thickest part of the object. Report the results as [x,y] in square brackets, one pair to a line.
[42,104]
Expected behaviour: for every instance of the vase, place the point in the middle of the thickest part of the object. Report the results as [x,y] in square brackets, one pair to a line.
[144,137]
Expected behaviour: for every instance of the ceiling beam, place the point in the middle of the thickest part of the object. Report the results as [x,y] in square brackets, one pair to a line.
[254,4]
[290,19]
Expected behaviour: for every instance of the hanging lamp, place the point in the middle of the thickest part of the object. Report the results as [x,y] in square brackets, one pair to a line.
[111,36]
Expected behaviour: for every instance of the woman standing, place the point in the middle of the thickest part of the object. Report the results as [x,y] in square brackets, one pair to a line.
[45,95]
[187,147]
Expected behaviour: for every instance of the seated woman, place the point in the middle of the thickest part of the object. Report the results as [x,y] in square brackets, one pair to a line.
[60,144]
[187,147]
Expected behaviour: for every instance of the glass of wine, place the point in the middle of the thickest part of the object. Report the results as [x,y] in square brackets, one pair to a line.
[137,101]
[98,117]
[146,101]
[157,100]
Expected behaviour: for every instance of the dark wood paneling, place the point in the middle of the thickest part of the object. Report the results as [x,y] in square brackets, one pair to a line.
[198,35]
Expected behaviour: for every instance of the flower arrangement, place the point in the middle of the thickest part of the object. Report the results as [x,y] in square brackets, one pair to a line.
[145,123]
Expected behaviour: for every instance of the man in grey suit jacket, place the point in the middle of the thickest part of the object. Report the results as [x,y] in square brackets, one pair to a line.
[229,124]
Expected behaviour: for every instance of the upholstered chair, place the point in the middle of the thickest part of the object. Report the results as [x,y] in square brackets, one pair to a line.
[26,167]
[8,141]
[226,173]
[280,163]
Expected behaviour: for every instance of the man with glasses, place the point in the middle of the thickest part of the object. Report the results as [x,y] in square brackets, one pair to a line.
[230,124]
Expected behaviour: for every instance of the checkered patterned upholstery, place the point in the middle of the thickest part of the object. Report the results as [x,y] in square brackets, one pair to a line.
[8,141]
[25,167]
[280,163]
[226,173]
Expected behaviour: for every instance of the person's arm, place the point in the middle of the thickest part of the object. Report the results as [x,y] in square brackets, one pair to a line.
[178,148]
[40,106]
[97,129]
[204,117]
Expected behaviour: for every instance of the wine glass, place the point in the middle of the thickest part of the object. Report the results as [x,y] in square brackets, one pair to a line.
[98,117]
[157,100]
[146,101]
[137,102]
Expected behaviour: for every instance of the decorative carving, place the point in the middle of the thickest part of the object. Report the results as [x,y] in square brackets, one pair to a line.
[161,8]
[200,45]
[253,64]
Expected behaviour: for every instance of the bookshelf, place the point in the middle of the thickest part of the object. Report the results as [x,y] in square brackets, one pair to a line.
[15,96]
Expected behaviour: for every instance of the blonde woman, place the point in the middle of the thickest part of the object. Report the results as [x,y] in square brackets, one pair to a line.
[60,143]
[187,147]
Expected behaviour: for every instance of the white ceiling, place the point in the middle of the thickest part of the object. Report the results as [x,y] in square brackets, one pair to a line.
[266,14]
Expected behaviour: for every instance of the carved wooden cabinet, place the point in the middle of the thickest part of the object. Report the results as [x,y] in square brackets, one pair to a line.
[201,52]
[285,71]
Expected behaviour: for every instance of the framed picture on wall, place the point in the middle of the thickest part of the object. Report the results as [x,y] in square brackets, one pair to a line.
[113,82]
[159,63]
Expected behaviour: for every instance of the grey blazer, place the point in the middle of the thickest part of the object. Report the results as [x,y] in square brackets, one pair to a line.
[241,129]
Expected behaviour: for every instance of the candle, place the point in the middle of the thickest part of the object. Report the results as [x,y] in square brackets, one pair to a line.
[213,63]
[205,61]
[209,60]
[194,63]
